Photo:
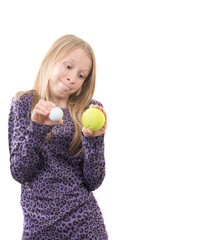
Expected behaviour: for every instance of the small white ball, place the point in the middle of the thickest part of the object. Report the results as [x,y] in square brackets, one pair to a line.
[56,114]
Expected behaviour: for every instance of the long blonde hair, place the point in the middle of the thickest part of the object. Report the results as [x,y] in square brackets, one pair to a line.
[77,102]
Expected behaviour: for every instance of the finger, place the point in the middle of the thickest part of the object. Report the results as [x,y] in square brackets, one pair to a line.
[42,109]
[42,104]
[61,121]
[96,106]
[39,115]
[87,132]
[92,105]
[105,116]
[105,126]
[50,105]
[47,104]
[102,109]
[83,131]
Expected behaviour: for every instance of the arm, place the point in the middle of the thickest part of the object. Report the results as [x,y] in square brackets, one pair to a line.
[25,140]
[94,161]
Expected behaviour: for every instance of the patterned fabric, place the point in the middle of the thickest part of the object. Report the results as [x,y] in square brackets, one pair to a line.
[56,186]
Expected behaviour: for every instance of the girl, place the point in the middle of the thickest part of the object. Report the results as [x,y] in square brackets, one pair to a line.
[59,164]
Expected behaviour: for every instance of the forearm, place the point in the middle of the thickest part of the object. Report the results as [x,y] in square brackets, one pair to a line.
[94,161]
[25,151]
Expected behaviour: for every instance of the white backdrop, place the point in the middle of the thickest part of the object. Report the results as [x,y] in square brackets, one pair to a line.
[147,56]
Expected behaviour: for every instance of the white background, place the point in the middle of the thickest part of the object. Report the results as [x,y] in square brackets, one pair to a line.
[147,56]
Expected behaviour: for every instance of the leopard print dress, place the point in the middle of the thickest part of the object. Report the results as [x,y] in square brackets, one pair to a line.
[56,186]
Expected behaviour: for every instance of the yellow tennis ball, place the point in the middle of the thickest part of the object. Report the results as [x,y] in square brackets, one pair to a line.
[93,119]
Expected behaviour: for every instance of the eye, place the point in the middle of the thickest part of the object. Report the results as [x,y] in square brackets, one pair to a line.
[68,66]
[81,76]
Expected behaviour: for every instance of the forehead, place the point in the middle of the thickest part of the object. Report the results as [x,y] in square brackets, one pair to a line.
[77,55]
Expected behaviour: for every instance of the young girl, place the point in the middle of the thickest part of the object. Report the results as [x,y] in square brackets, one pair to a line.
[59,164]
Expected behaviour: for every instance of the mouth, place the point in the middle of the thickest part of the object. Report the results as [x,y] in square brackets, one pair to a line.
[66,85]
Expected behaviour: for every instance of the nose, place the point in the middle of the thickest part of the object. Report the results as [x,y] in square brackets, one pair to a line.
[70,77]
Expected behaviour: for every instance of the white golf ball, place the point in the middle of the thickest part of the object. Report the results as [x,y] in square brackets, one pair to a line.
[56,114]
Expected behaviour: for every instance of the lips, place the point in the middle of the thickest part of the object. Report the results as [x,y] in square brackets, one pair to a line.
[66,85]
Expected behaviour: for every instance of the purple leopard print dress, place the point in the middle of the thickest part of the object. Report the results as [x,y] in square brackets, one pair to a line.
[56,186]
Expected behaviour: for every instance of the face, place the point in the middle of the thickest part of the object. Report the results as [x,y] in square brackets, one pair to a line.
[69,75]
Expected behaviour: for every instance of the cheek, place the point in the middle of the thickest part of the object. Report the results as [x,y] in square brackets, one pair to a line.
[53,77]
[52,80]
[80,84]
[58,71]
[51,84]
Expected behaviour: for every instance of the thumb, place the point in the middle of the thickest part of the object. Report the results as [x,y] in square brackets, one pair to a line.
[61,122]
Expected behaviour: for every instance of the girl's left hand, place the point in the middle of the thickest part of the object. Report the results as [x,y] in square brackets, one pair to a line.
[89,133]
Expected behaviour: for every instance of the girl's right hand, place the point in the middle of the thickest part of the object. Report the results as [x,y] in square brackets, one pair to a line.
[41,113]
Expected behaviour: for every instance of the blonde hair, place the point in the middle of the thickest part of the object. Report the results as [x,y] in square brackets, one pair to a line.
[77,102]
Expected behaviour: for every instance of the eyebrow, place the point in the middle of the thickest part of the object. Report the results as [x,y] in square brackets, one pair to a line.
[70,59]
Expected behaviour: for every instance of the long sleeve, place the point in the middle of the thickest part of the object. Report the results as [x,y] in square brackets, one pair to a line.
[94,161]
[25,140]
[56,184]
